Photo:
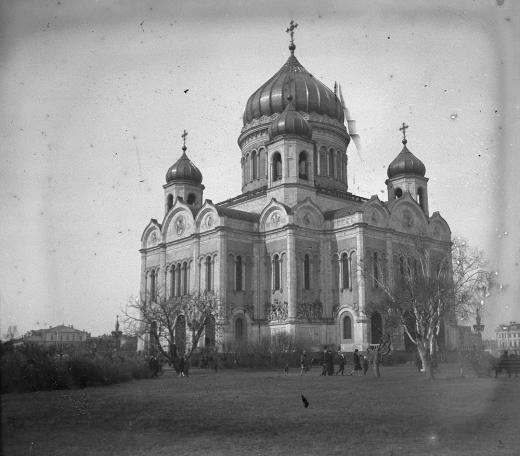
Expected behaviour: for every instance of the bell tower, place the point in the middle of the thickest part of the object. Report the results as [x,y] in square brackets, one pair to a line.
[184,180]
[406,173]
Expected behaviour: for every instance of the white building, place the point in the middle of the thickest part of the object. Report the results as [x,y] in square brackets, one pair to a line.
[285,254]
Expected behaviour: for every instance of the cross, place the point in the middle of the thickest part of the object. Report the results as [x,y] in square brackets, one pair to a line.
[290,30]
[403,129]
[183,136]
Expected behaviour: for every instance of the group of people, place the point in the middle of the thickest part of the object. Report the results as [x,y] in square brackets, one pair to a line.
[360,363]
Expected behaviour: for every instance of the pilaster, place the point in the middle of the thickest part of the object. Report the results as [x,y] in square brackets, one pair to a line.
[291,274]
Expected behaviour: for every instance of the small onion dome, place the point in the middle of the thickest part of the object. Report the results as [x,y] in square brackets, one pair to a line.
[406,163]
[184,170]
[309,94]
[290,122]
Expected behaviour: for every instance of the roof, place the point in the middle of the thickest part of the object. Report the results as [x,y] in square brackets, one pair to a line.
[406,163]
[338,213]
[184,170]
[64,328]
[236,214]
[309,94]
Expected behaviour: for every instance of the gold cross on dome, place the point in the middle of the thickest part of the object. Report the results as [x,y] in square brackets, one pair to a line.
[183,136]
[403,129]
[290,30]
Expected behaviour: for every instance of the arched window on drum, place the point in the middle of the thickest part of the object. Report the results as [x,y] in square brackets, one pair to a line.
[303,166]
[277,166]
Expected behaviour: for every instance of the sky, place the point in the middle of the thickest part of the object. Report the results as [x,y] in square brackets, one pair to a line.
[95,97]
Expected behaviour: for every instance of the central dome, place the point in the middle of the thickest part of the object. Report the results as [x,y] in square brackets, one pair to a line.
[309,94]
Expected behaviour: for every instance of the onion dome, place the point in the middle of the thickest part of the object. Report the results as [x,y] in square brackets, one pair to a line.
[184,170]
[309,94]
[406,163]
[290,122]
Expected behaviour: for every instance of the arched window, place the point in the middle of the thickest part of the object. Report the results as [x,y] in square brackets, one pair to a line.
[401,265]
[238,273]
[347,327]
[153,290]
[170,201]
[209,274]
[307,272]
[345,272]
[376,270]
[178,280]
[276,272]
[239,329]
[172,281]
[331,163]
[247,169]
[303,166]
[340,167]
[254,165]
[420,197]
[398,192]
[184,278]
[277,166]
[192,199]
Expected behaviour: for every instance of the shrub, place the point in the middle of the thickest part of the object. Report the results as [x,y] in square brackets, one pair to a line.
[33,368]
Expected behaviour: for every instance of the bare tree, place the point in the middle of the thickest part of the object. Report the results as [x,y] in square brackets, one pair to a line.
[164,320]
[428,288]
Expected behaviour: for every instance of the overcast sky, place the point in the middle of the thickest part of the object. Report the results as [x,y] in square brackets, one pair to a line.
[95,96]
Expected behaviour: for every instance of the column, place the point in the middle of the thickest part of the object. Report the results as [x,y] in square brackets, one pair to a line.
[195,269]
[389,271]
[256,278]
[291,274]
[361,336]
[220,282]
[161,276]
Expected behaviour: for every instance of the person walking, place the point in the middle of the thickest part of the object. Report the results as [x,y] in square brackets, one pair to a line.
[303,363]
[182,366]
[365,364]
[341,362]
[357,363]
[324,362]
[154,366]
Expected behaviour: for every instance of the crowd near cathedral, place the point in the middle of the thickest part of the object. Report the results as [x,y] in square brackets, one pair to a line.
[288,254]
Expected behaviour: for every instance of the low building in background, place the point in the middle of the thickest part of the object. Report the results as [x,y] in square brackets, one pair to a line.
[58,335]
[508,337]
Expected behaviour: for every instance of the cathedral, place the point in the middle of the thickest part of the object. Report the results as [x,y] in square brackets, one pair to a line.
[287,254]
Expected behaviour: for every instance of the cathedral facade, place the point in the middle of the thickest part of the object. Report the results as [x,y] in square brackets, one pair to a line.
[290,253]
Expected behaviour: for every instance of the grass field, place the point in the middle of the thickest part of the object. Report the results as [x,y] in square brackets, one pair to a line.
[245,412]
